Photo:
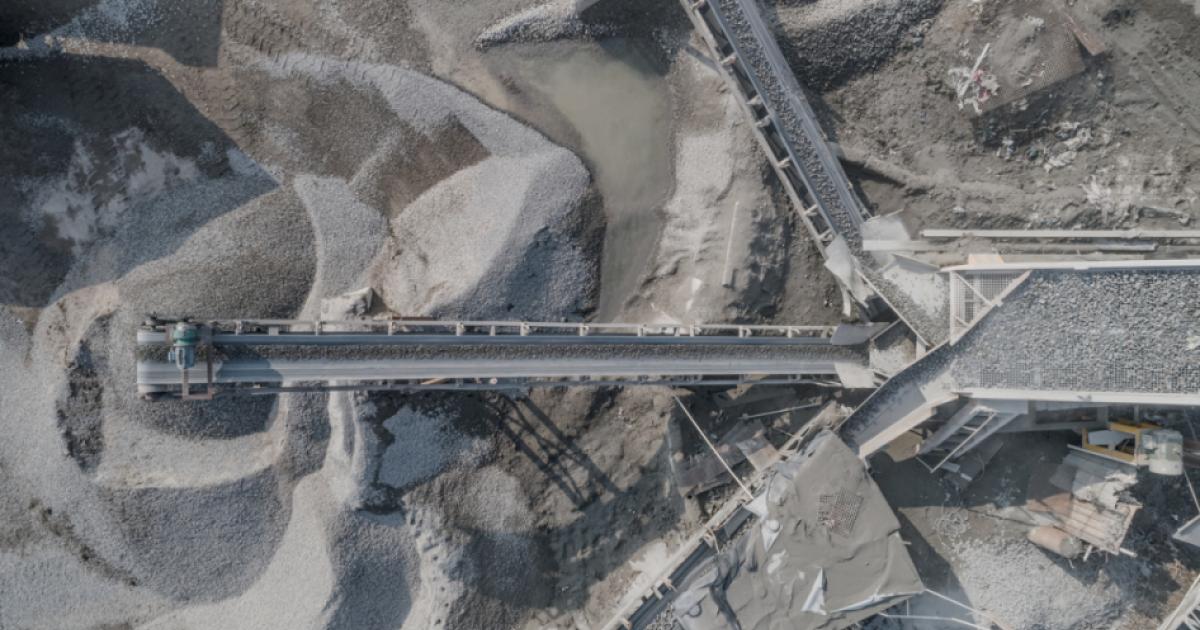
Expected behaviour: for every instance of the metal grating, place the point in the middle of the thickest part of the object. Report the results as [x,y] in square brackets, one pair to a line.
[973,294]
[1024,375]
[838,512]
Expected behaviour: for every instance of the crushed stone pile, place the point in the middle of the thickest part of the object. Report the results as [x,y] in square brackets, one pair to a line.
[521,211]
[996,577]
[827,41]
[547,22]
[1120,331]
[232,513]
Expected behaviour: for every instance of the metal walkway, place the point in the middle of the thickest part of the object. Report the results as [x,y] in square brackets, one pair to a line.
[271,356]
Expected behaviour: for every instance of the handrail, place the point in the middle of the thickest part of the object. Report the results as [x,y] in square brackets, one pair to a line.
[491,328]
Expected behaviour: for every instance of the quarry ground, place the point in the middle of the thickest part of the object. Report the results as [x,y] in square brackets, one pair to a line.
[509,160]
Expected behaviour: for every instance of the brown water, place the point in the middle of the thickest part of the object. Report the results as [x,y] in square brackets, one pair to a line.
[618,112]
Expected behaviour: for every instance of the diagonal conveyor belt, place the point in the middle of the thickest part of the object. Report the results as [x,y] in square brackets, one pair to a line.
[273,356]
[755,47]
[788,130]
[740,36]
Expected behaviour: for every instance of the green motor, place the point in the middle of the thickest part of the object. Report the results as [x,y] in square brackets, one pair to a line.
[184,339]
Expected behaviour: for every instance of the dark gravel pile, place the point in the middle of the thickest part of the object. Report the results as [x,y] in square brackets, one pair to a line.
[831,41]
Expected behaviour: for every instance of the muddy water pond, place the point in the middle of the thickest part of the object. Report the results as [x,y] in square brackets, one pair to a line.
[608,102]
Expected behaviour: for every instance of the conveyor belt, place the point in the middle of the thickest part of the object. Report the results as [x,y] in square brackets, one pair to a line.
[278,356]
[788,131]
[786,126]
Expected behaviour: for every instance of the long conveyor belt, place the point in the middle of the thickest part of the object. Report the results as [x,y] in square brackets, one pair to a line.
[265,356]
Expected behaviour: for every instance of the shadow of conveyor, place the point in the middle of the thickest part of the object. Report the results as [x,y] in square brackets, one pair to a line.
[533,432]
[190,31]
[608,527]
[66,119]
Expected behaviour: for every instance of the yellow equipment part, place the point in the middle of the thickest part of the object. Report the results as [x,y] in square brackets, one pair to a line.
[1128,450]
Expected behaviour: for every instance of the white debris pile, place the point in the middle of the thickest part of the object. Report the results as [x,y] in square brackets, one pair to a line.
[974,85]
[1000,578]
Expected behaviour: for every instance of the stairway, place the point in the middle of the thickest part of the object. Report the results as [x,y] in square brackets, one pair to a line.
[964,431]
[910,411]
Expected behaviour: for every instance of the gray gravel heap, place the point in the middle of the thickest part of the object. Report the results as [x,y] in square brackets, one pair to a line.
[839,39]
[1118,331]
[552,21]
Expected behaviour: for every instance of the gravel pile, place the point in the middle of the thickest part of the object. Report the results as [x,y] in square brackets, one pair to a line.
[336,569]
[145,494]
[51,514]
[514,214]
[347,236]
[1118,331]
[829,41]
[523,211]
[183,515]
[1003,579]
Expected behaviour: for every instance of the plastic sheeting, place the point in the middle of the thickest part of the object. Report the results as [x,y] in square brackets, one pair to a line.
[824,553]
